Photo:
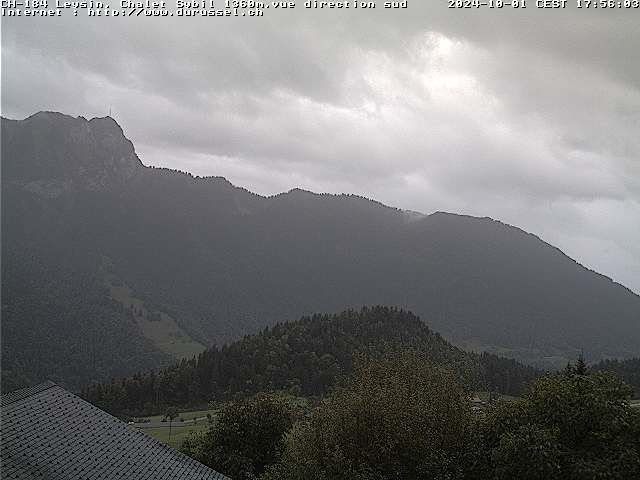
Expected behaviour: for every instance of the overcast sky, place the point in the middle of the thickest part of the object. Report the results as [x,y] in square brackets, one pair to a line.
[528,116]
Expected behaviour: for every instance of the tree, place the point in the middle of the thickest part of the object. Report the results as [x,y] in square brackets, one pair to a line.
[628,370]
[171,413]
[247,436]
[396,418]
[581,366]
[570,426]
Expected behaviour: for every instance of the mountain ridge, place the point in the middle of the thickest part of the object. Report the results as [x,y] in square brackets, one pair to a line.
[298,190]
[222,262]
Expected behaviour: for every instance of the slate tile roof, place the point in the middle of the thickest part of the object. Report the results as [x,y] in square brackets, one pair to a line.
[49,433]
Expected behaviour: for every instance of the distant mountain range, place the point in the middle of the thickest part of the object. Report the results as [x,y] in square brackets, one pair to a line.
[109,266]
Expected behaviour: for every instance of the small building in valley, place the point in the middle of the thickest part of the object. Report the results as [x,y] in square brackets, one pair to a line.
[49,433]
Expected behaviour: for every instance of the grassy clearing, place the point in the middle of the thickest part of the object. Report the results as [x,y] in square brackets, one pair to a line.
[186,415]
[178,434]
[548,359]
[158,327]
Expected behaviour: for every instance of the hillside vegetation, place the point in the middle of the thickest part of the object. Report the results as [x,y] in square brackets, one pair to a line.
[304,358]
[401,417]
[627,370]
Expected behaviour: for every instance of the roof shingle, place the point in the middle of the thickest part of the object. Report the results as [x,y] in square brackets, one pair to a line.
[49,433]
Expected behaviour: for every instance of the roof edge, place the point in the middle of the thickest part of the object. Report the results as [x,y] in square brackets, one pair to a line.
[17,395]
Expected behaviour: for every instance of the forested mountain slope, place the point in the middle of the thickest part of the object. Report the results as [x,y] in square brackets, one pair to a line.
[303,357]
[111,267]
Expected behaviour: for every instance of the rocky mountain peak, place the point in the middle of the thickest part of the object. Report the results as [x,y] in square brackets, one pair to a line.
[49,153]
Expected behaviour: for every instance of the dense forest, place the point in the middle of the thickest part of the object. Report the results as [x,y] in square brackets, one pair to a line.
[80,210]
[303,358]
[66,330]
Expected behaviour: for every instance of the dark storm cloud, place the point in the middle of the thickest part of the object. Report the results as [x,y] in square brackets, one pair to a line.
[530,117]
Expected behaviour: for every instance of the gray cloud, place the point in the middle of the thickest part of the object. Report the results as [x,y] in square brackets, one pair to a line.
[531,117]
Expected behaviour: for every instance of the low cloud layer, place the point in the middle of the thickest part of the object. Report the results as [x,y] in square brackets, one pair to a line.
[530,117]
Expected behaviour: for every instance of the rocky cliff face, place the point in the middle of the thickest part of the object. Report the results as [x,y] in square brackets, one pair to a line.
[50,153]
